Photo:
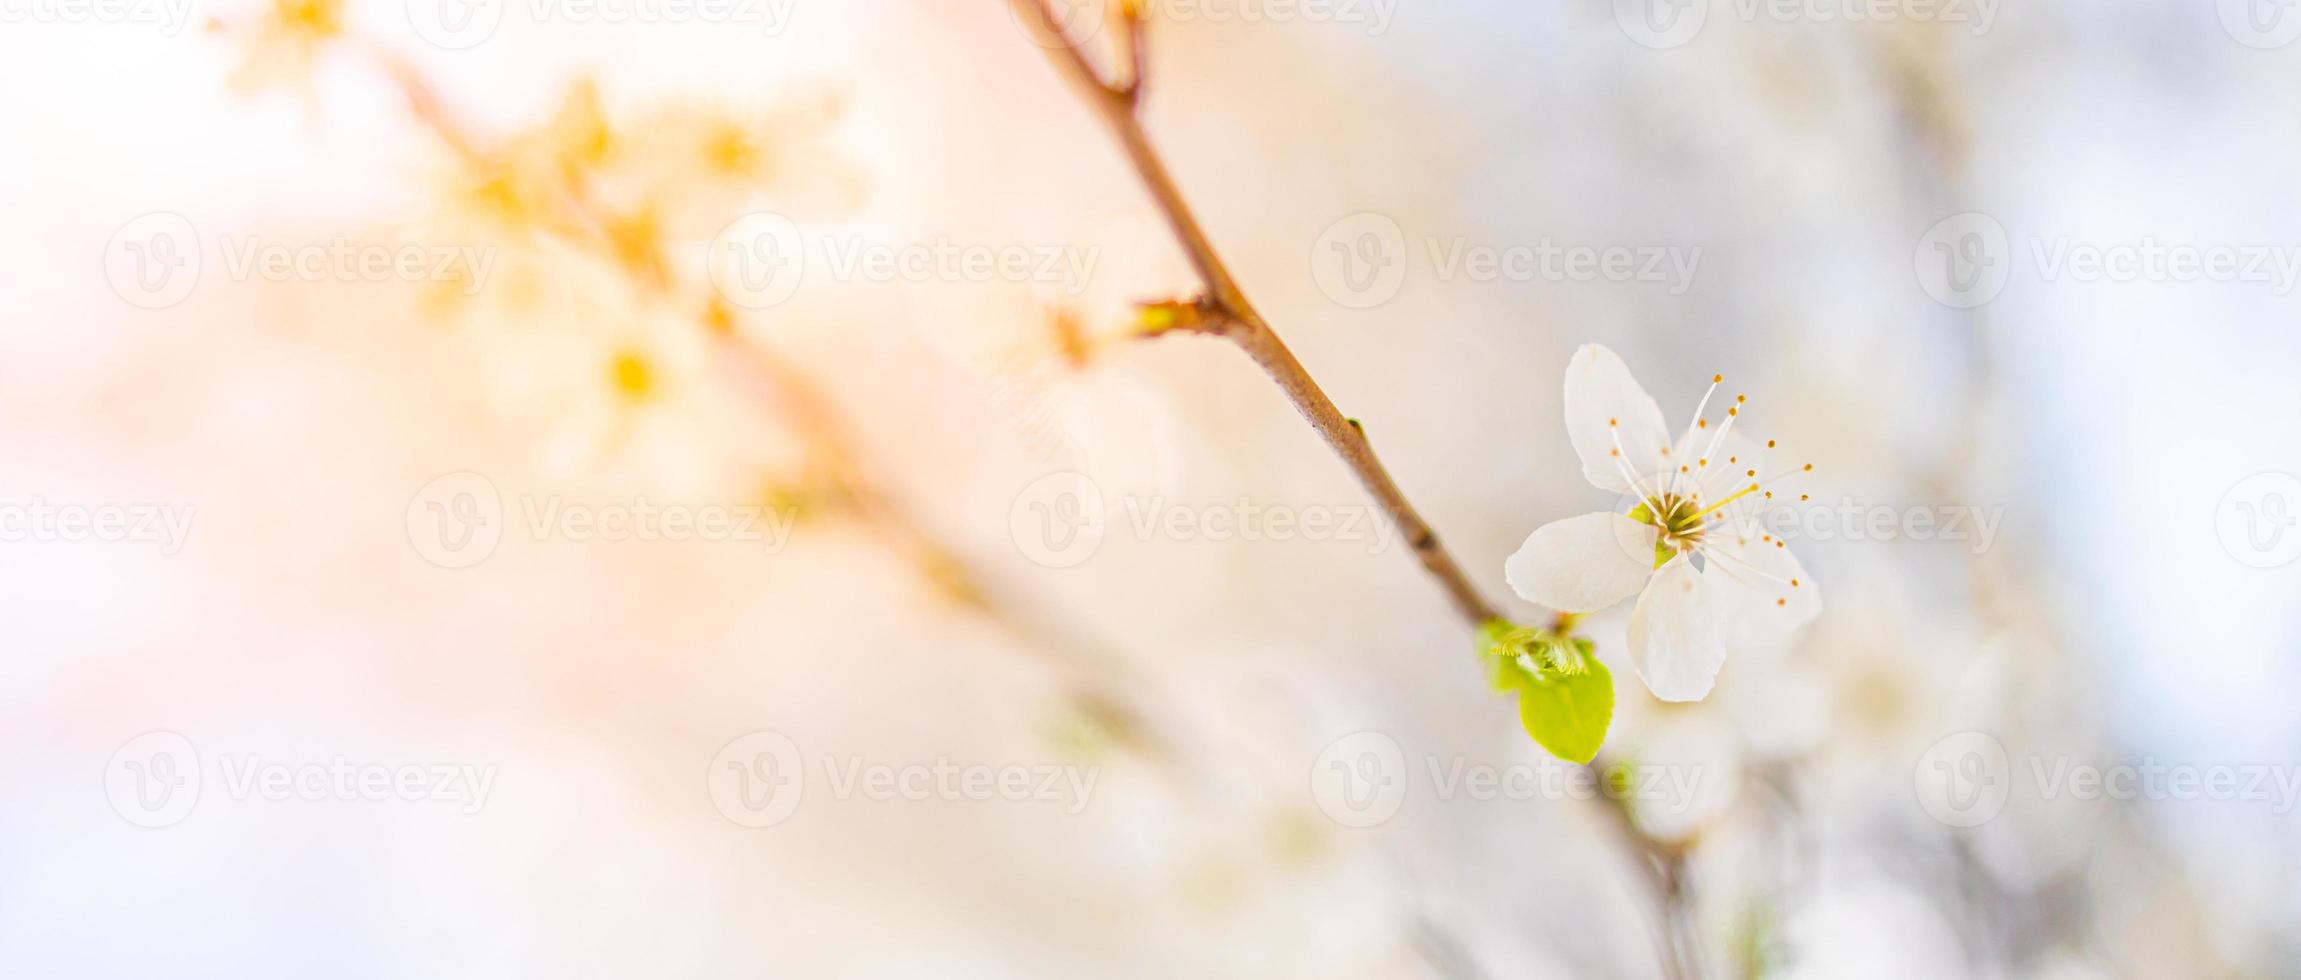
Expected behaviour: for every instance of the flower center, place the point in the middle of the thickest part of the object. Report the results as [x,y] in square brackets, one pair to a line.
[1679,516]
[632,375]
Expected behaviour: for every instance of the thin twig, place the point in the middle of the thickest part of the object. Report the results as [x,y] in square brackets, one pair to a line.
[1223,310]
[1226,311]
[1663,865]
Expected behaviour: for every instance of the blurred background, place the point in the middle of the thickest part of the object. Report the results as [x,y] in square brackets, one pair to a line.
[554,488]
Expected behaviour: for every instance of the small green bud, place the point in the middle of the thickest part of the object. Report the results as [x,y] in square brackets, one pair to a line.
[1565,693]
[1152,319]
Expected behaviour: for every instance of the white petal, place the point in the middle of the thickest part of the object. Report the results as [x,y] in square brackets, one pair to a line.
[1772,595]
[1583,564]
[1676,639]
[1602,401]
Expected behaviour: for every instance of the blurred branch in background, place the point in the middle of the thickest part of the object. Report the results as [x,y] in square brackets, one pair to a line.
[2006,924]
[1104,688]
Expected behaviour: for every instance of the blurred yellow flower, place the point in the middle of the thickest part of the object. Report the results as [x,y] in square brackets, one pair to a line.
[284,42]
[703,164]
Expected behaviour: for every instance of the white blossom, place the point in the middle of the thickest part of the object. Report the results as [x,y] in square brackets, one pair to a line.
[1688,542]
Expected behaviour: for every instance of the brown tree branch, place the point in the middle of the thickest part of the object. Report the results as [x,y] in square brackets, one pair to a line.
[1226,311]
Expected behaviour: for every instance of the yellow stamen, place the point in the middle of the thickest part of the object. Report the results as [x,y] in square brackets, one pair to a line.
[1713,508]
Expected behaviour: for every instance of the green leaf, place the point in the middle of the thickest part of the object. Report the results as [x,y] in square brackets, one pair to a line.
[1568,711]
[1499,644]
[1565,694]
